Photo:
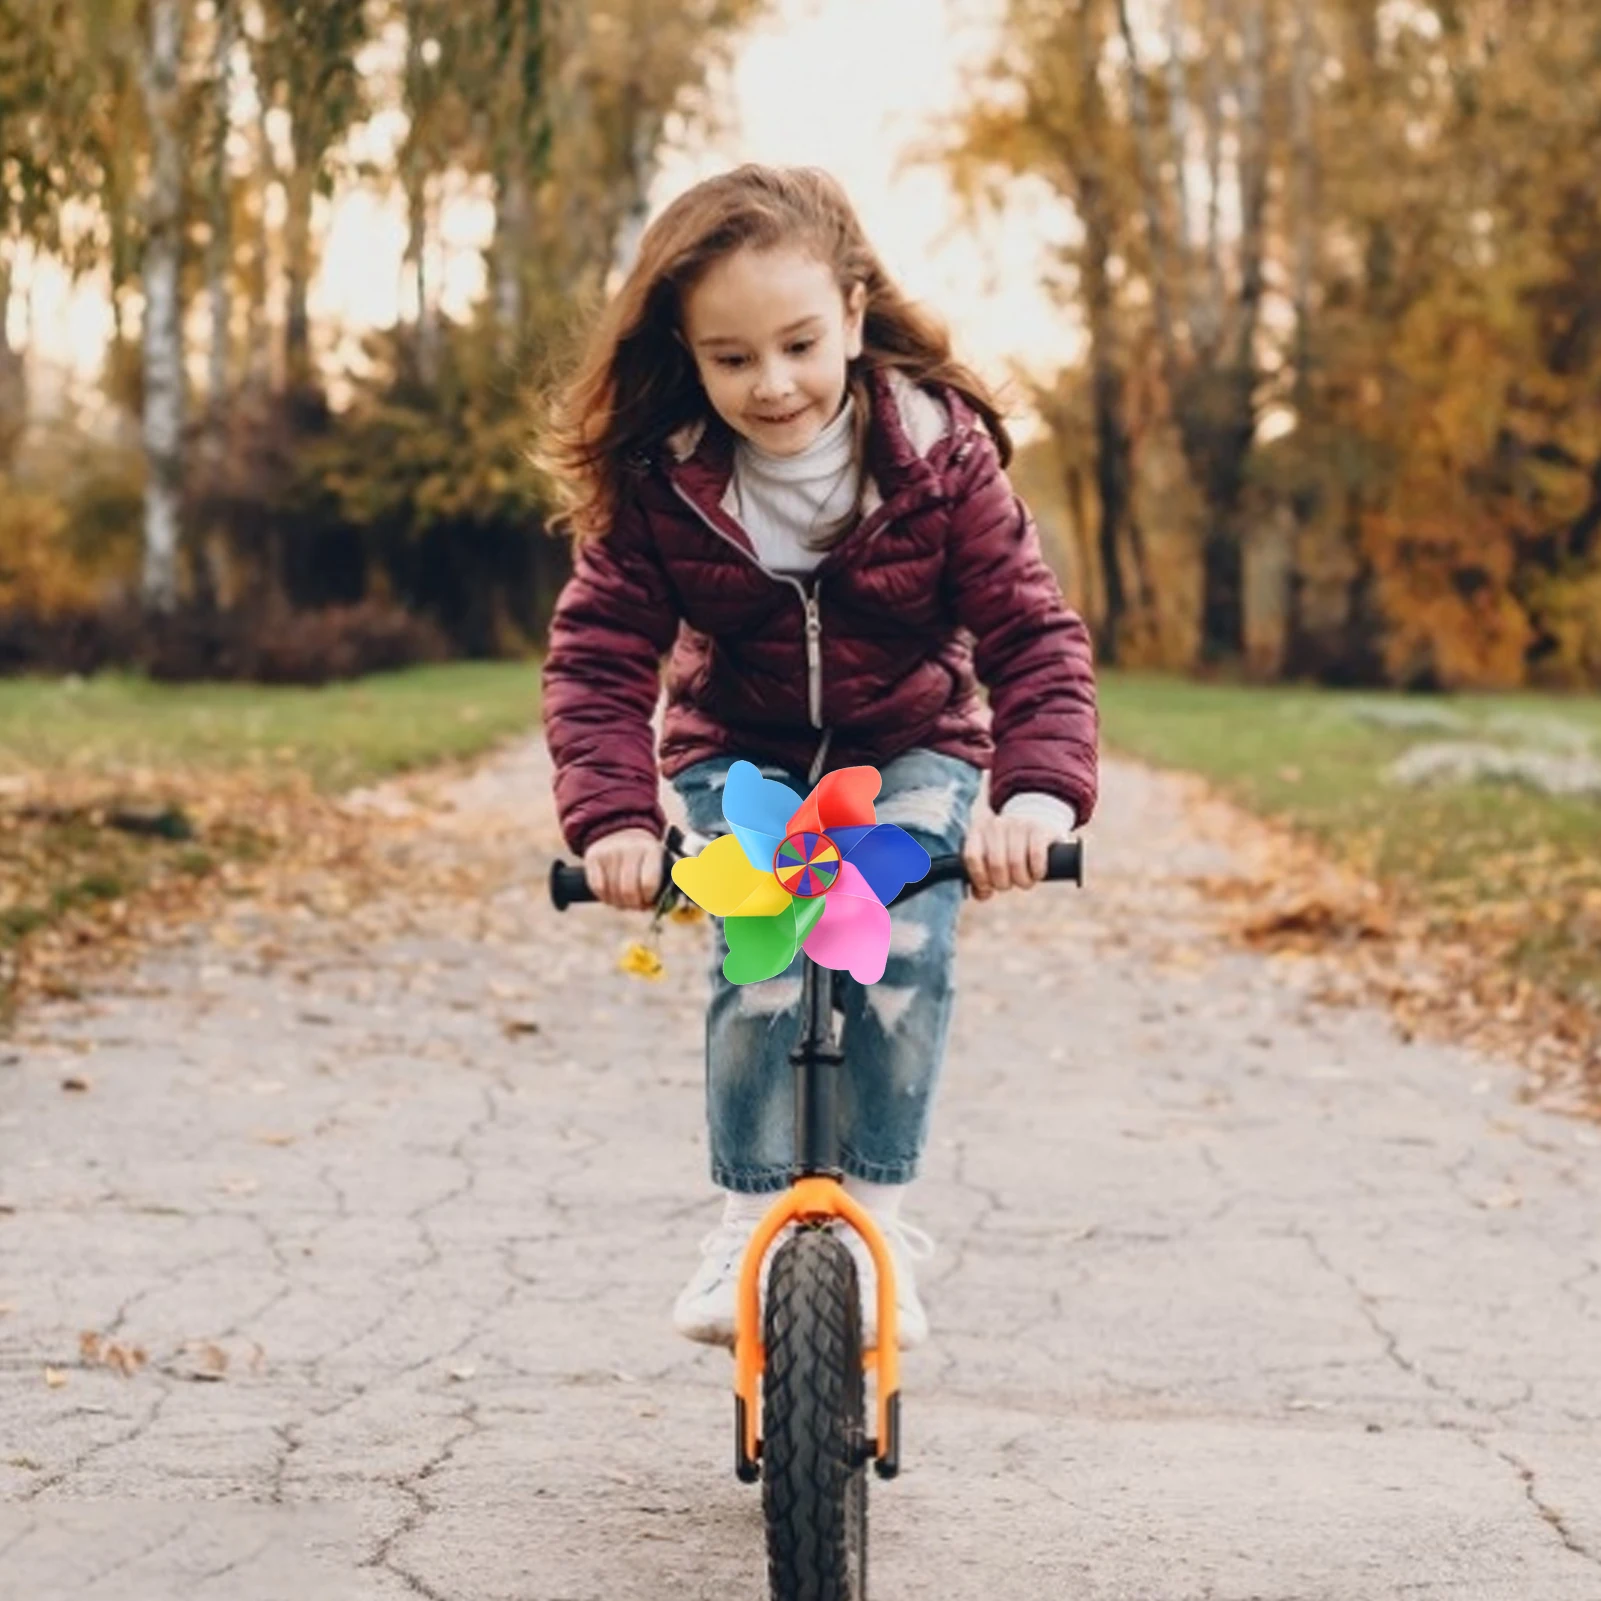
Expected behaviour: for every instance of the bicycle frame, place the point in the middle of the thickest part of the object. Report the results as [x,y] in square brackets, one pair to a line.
[816,1193]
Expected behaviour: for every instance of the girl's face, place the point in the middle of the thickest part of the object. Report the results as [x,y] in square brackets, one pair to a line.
[771,334]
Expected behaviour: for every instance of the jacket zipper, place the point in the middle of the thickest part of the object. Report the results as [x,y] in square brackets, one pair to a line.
[810,605]
[814,658]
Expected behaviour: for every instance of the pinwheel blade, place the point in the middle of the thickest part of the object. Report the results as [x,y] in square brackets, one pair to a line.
[762,947]
[887,857]
[758,810]
[840,800]
[853,935]
[720,880]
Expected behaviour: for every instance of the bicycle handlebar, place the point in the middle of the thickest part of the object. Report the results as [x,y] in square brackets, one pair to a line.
[569,887]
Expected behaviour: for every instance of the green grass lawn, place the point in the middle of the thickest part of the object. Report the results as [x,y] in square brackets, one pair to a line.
[341,734]
[1494,851]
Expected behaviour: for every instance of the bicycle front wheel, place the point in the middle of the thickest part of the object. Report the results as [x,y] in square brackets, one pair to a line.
[814,1440]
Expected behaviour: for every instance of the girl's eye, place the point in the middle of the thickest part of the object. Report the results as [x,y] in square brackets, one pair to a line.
[801,346]
[730,361]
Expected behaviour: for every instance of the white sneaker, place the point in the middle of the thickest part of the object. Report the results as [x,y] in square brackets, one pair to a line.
[704,1310]
[907,1244]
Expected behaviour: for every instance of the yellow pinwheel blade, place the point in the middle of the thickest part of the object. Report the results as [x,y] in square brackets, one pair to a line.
[722,881]
[768,899]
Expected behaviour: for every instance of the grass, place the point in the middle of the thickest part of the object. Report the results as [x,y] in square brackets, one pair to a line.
[342,735]
[1498,856]
[69,747]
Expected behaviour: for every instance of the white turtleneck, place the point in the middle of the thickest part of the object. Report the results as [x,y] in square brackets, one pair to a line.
[784,501]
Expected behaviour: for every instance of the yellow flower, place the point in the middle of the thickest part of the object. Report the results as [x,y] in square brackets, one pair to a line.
[640,961]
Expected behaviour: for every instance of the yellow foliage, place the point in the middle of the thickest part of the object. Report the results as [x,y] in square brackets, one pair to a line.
[38,572]
[1569,614]
[1444,581]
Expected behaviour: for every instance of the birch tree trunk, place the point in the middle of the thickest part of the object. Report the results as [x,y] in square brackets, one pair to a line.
[163,334]
[1211,328]
[219,246]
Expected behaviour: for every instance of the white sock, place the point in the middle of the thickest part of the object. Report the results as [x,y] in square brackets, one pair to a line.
[744,1208]
[882,1200]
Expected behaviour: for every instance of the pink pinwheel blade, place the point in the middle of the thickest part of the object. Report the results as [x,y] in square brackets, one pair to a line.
[852,934]
[851,882]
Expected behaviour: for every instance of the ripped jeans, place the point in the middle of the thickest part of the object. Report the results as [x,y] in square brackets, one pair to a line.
[894,1031]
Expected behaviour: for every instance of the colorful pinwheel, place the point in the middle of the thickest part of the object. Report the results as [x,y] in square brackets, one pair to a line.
[816,875]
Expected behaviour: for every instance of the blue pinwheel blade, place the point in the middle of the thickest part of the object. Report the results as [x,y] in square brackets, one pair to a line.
[849,838]
[758,810]
[887,857]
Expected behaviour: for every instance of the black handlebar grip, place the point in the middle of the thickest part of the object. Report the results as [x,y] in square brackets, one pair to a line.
[1066,861]
[567,885]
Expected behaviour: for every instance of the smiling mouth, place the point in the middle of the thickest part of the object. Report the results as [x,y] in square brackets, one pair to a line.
[787,417]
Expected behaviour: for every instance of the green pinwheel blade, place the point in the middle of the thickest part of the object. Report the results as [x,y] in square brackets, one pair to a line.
[762,947]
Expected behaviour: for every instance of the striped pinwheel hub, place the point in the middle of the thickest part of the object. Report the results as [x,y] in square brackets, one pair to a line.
[807,865]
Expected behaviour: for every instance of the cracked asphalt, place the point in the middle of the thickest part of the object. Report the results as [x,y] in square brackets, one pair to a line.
[1239,1297]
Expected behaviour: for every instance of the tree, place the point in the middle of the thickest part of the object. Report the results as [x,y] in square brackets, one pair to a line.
[163,333]
[305,62]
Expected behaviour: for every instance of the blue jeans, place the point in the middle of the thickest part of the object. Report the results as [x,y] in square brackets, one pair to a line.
[894,1031]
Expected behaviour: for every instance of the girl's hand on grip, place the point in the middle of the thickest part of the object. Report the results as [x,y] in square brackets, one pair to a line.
[1006,853]
[625,869]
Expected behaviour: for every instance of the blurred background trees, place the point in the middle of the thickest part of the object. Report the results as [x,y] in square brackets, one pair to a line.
[1338,267]
[1337,262]
[186,153]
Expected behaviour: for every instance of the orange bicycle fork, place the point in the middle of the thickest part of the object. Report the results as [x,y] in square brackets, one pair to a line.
[815,1196]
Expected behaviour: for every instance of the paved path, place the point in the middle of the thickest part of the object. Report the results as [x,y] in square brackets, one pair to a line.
[1239,1296]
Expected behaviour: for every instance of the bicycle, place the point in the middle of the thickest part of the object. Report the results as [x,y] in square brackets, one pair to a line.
[805,1353]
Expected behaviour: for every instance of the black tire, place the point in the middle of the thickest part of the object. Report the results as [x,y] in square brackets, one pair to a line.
[814,1461]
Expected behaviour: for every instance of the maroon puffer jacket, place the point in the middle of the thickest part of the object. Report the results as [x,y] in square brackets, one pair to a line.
[941,578]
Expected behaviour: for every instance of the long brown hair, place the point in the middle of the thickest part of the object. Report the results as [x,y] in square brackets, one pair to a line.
[635,382]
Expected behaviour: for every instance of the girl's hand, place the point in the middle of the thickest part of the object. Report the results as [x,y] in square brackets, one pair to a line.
[625,869]
[1007,853]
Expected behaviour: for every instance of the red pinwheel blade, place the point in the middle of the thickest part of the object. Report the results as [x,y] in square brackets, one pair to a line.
[840,800]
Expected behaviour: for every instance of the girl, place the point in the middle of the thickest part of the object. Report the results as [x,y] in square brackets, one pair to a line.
[774,468]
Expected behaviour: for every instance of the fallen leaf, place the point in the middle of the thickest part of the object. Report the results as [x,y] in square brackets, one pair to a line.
[640,961]
[201,1362]
[55,1378]
[75,1084]
[97,1351]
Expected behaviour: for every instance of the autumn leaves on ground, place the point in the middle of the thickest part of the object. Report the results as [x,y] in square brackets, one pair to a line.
[1434,854]
[128,808]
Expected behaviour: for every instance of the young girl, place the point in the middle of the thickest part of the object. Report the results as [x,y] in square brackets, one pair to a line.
[774,468]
